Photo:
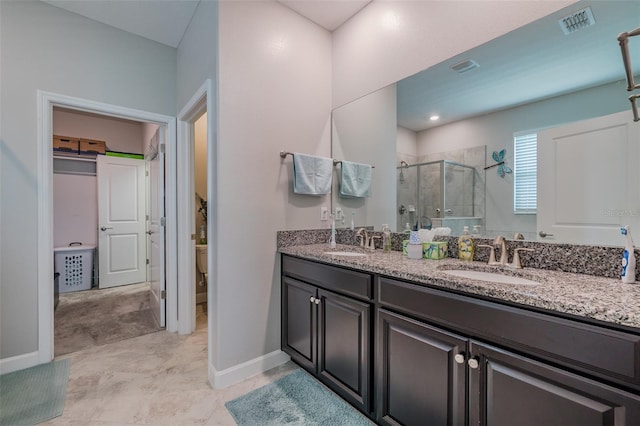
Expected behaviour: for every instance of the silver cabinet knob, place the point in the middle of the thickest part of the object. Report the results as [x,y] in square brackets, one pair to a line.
[312,299]
[459,358]
[104,228]
[473,363]
[544,234]
[317,301]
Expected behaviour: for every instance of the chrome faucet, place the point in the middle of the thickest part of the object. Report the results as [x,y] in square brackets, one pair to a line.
[364,239]
[504,257]
[372,242]
[516,264]
[492,254]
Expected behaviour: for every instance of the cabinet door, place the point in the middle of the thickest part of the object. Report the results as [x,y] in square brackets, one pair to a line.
[507,389]
[299,322]
[344,347]
[419,381]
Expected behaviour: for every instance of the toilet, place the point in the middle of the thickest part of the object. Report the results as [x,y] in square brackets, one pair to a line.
[201,265]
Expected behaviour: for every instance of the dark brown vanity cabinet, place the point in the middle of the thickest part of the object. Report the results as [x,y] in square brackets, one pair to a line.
[327,326]
[428,375]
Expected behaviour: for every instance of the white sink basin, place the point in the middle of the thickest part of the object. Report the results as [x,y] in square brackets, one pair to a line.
[345,253]
[491,277]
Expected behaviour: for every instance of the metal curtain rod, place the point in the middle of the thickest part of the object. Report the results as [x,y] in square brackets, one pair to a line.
[283,154]
[634,106]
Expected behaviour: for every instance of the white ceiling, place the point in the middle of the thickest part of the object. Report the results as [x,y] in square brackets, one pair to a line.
[329,14]
[164,21]
[534,62]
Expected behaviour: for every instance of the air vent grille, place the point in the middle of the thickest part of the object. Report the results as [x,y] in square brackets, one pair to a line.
[577,21]
[464,66]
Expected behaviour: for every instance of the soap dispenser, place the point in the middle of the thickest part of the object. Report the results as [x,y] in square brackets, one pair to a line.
[466,247]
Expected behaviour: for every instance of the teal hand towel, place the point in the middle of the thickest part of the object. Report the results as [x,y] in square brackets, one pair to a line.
[355,180]
[312,175]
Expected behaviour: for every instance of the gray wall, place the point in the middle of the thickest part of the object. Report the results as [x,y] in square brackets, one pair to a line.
[47,48]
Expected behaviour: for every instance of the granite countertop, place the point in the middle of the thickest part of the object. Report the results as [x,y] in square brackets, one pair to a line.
[604,299]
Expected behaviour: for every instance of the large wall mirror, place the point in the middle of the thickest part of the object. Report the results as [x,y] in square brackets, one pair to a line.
[542,80]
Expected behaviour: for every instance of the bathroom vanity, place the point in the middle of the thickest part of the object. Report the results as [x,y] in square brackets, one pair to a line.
[407,343]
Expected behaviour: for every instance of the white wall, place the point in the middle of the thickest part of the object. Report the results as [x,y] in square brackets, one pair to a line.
[75,209]
[197,56]
[364,131]
[120,135]
[275,93]
[496,132]
[47,48]
[390,40]
[406,143]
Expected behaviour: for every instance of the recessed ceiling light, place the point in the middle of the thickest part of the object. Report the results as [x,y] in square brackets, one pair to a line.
[434,117]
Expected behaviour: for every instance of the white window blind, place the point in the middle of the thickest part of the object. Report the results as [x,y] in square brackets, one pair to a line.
[525,173]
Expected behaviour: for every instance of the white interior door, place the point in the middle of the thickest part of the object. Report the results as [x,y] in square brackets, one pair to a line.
[155,226]
[588,180]
[121,221]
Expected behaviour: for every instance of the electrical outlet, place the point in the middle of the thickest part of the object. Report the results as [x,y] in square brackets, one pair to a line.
[324,213]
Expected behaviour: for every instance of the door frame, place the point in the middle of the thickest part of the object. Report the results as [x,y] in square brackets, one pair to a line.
[201,101]
[46,102]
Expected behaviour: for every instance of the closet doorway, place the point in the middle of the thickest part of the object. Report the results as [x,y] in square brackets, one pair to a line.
[47,101]
[102,205]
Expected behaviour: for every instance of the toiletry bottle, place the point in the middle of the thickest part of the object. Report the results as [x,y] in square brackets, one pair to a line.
[407,228]
[386,238]
[466,247]
[202,234]
[628,258]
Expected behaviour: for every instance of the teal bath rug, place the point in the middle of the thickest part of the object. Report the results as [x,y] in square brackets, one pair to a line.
[33,395]
[296,399]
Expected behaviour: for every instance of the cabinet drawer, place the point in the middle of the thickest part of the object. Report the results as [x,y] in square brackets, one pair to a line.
[329,277]
[595,350]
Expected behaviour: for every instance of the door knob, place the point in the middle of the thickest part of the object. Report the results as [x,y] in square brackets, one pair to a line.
[459,358]
[544,234]
[104,228]
[473,363]
[150,232]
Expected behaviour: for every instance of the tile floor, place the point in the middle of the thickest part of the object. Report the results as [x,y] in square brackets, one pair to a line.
[96,317]
[155,379]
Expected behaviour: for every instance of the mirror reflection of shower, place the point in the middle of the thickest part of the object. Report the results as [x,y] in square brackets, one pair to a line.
[436,193]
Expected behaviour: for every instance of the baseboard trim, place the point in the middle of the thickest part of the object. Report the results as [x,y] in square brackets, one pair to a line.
[237,373]
[19,362]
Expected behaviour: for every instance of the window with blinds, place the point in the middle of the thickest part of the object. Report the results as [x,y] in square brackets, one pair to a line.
[525,173]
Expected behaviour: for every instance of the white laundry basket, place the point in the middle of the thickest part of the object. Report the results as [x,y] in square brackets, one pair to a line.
[75,265]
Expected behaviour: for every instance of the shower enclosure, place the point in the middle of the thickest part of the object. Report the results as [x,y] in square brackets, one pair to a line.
[437,193]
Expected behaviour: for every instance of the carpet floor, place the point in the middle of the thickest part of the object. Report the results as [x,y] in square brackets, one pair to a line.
[95,317]
[33,395]
[296,400]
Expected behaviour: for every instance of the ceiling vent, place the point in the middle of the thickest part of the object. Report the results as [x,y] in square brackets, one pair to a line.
[464,66]
[577,21]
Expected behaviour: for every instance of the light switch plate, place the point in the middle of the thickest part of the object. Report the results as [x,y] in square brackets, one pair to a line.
[324,213]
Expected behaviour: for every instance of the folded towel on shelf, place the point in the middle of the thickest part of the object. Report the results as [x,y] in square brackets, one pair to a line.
[312,175]
[355,181]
